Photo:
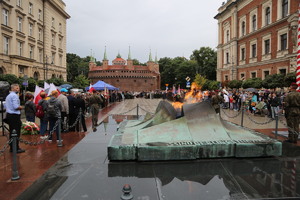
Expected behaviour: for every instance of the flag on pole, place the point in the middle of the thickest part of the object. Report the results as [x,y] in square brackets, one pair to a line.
[298,53]
[174,90]
[37,93]
[51,88]
[91,89]
[46,85]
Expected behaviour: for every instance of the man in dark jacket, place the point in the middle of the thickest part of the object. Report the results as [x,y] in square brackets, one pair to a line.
[81,105]
[95,102]
[54,120]
[73,110]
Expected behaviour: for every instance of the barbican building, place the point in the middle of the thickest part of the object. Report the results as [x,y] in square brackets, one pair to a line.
[126,76]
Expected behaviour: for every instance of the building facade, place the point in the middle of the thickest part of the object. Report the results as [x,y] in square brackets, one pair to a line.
[33,38]
[256,38]
[125,75]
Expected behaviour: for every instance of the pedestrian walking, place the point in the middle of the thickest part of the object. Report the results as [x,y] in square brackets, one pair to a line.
[65,108]
[216,100]
[13,114]
[54,114]
[292,113]
[81,105]
[43,118]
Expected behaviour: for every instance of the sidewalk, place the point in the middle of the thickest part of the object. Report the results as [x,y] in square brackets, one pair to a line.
[37,159]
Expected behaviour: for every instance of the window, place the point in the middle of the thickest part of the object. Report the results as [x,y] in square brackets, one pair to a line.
[53,39]
[60,27]
[283,42]
[40,34]
[41,55]
[60,42]
[243,28]
[53,58]
[284,6]
[253,47]
[268,15]
[60,60]
[36,76]
[30,29]
[242,76]
[31,51]
[5,45]
[227,35]
[53,22]
[266,73]
[227,58]
[243,54]
[253,74]
[20,48]
[253,22]
[267,46]
[226,77]
[282,71]
[20,24]
[21,69]
[40,14]
[30,8]
[5,17]
[19,3]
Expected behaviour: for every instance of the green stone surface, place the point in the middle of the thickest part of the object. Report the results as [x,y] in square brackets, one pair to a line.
[199,134]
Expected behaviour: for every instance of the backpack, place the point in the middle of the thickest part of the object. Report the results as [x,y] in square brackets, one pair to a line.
[51,112]
[39,111]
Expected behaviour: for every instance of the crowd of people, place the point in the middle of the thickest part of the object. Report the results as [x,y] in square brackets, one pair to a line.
[62,108]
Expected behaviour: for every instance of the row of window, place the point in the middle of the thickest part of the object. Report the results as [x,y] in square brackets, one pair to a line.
[31,49]
[115,71]
[283,11]
[254,74]
[266,48]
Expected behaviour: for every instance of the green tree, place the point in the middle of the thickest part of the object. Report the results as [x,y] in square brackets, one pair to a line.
[252,83]
[81,82]
[211,85]
[235,84]
[137,62]
[56,81]
[289,79]
[200,80]
[10,78]
[206,59]
[273,81]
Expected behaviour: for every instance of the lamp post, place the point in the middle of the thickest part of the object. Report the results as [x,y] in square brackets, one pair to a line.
[46,67]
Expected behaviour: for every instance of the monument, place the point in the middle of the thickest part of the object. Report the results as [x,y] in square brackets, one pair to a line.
[199,133]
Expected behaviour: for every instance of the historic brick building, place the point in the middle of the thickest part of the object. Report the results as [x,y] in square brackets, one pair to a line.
[256,38]
[126,76]
[33,38]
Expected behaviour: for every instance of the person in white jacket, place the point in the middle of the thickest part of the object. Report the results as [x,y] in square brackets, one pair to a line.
[226,101]
[65,108]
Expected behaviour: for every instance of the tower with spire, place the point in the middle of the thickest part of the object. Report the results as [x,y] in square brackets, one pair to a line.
[105,60]
[129,61]
[92,63]
[153,66]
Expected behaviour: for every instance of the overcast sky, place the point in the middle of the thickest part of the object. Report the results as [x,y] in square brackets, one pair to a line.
[169,27]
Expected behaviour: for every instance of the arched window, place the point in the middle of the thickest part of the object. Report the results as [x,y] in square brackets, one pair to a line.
[254,22]
[285,5]
[1,71]
[53,76]
[36,76]
[268,15]
[243,28]
[227,35]
[61,77]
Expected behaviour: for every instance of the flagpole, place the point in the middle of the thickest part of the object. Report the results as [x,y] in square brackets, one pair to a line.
[298,52]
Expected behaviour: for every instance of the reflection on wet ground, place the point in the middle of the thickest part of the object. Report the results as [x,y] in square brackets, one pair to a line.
[85,173]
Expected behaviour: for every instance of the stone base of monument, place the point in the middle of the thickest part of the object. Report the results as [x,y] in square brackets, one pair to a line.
[199,134]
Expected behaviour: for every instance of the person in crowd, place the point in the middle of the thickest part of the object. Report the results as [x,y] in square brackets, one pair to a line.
[44,120]
[216,100]
[65,108]
[235,97]
[226,101]
[73,110]
[275,103]
[95,102]
[81,105]
[13,114]
[30,108]
[292,113]
[54,114]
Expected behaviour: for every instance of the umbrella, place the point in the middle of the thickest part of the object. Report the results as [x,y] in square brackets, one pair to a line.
[67,86]
[250,90]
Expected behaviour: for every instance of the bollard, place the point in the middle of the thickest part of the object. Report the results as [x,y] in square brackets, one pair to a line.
[59,143]
[15,173]
[276,125]
[242,118]
[126,193]
[137,111]
[80,120]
